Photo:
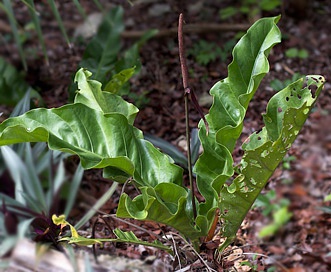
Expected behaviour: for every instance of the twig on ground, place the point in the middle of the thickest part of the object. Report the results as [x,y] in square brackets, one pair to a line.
[192,29]
[198,255]
[176,252]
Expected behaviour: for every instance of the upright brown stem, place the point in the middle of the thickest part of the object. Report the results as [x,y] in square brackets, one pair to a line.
[186,94]
[182,58]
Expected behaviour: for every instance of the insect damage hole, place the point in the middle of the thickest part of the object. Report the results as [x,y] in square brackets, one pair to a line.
[313,89]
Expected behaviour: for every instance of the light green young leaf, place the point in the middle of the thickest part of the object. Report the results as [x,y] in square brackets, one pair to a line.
[122,237]
[118,80]
[75,237]
[61,221]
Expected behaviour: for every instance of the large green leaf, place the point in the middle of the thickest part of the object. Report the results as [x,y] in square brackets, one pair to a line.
[286,113]
[104,138]
[232,95]
[101,137]
[231,98]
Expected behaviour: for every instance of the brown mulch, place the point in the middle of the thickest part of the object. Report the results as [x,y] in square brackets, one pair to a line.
[303,244]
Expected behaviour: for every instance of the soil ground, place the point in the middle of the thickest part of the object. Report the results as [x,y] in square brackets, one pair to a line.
[304,243]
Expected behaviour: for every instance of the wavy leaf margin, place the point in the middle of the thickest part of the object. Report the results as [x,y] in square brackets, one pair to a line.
[231,97]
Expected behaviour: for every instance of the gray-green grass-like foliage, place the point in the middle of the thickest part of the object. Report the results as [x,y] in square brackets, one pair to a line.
[36,17]
[98,127]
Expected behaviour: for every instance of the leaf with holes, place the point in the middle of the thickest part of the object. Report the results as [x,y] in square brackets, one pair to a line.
[231,97]
[286,113]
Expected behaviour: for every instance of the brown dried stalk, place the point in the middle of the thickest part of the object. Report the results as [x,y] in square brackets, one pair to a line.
[186,94]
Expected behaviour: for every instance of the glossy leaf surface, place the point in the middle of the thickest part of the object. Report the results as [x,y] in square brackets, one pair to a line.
[231,97]
[100,137]
[286,113]
[98,127]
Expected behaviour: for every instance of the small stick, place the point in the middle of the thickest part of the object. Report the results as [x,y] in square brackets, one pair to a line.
[184,69]
[201,28]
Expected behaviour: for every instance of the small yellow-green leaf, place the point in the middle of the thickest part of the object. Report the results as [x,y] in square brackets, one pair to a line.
[59,220]
[118,80]
[81,241]
[327,198]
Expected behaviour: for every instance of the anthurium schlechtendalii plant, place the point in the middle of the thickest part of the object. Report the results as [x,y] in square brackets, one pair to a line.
[98,127]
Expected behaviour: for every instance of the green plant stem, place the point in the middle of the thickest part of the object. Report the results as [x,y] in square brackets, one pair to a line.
[59,20]
[8,8]
[189,157]
[186,94]
[80,9]
[35,16]
[97,3]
